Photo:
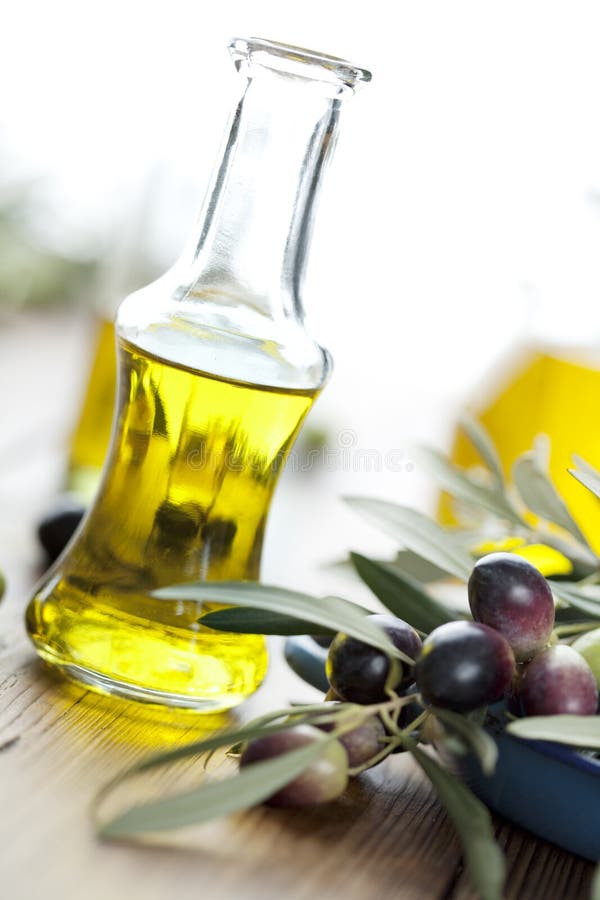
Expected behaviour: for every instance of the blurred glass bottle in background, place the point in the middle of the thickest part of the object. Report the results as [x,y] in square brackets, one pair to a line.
[131,262]
[89,441]
[549,384]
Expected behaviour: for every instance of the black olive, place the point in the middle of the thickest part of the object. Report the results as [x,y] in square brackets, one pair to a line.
[57,527]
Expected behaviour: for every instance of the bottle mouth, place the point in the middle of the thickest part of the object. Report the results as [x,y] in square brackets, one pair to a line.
[290,60]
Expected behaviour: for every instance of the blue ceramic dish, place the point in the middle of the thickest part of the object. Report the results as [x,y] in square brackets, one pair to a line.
[546,788]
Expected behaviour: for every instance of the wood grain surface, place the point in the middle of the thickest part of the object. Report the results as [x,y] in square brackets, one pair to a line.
[59,743]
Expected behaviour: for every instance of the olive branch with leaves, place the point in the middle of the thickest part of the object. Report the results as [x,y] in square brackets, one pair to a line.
[530,511]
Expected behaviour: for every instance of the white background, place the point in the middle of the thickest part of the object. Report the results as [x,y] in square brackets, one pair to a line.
[459,212]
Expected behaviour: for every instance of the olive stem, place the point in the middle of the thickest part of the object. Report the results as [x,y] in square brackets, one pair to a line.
[416,723]
[379,757]
[390,723]
[392,742]
[393,677]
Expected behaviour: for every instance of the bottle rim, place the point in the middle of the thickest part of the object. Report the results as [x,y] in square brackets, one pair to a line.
[291,60]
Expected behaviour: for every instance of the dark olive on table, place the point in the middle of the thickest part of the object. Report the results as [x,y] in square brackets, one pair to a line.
[59,524]
[323,780]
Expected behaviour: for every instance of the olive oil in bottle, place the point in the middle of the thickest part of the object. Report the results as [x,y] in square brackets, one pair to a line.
[188,483]
[216,373]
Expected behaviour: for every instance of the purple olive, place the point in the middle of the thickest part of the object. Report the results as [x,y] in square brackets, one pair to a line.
[464,666]
[363,742]
[358,672]
[323,780]
[510,595]
[558,681]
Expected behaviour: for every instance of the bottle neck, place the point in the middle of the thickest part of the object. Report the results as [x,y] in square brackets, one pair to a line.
[257,218]
[232,306]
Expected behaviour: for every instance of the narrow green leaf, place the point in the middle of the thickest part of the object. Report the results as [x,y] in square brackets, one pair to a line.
[580,589]
[417,532]
[416,567]
[241,620]
[407,562]
[402,595]
[458,483]
[263,725]
[540,495]
[586,610]
[568,593]
[473,822]
[586,466]
[249,787]
[334,613]
[586,475]
[576,731]
[2,585]
[474,736]
[484,446]
[567,615]
[253,729]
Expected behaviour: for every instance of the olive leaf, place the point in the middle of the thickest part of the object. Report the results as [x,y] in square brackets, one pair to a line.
[458,483]
[2,585]
[578,731]
[586,466]
[540,495]
[473,735]
[334,613]
[241,620]
[418,532]
[568,615]
[259,727]
[409,563]
[415,566]
[402,595]
[213,799]
[587,475]
[569,593]
[585,589]
[484,446]
[473,822]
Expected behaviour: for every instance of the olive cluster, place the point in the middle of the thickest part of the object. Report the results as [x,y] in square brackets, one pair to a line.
[510,596]
[366,733]
[506,652]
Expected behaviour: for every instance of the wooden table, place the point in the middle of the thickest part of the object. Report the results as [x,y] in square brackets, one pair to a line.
[59,743]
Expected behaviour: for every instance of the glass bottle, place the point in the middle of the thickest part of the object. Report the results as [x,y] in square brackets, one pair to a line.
[128,264]
[548,384]
[91,435]
[216,374]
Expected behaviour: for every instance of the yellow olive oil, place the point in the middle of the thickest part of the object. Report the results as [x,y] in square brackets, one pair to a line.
[545,392]
[191,469]
[91,436]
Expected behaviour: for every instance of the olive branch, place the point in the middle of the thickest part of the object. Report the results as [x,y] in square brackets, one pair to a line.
[530,515]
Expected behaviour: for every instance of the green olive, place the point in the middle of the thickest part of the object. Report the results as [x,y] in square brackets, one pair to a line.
[589,647]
